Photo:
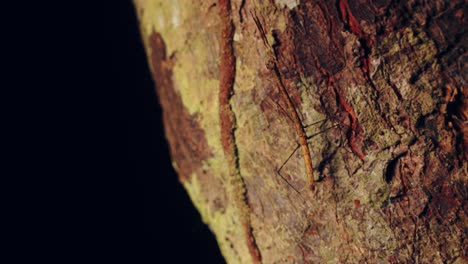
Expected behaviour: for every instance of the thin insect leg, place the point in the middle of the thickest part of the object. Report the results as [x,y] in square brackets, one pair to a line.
[284,163]
[289,116]
[273,66]
[308,137]
[290,185]
[320,132]
[342,137]
[292,120]
[316,122]
[260,28]
[292,154]
[284,110]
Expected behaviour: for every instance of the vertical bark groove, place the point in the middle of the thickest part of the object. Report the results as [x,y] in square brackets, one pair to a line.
[389,75]
[228,125]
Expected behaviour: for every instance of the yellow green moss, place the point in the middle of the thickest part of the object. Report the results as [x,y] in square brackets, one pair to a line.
[265,9]
[196,61]
[291,4]
[195,76]
[245,76]
[194,189]
[216,220]
[281,23]
[225,224]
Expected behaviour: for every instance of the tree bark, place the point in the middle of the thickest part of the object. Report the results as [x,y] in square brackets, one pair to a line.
[379,87]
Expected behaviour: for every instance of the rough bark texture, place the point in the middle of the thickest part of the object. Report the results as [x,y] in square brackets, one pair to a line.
[380,87]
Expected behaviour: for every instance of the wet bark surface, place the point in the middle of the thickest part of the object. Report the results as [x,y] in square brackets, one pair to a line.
[381,93]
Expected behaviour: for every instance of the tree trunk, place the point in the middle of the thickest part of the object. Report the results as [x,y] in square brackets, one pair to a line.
[378,89]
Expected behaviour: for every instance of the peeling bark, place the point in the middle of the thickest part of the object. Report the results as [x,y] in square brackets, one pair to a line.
[379,87]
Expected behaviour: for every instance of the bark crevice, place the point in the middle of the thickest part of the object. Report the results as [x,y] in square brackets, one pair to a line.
[228,125]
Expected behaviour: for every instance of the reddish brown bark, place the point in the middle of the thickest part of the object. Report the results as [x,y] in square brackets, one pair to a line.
[388,77]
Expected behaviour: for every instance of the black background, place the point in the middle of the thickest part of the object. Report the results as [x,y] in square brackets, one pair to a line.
[168,227]
[96,184]
[172,228]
